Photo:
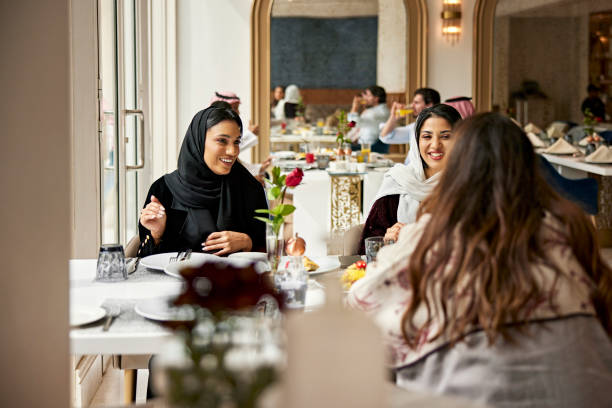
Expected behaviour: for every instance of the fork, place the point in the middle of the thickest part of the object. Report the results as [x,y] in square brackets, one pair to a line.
[181,256]
[176,258]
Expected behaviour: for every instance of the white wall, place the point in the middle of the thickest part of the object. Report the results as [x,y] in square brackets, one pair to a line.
[391,59]
[206,63]
[449,69]
[35,179]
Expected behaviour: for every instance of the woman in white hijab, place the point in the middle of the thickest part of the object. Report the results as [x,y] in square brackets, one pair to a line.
[287,107]
[405,186]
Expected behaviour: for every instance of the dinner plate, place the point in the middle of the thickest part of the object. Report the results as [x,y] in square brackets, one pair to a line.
[160,261]
[195,260]
[84,315]
[162,310]
[259,258]
[326,263]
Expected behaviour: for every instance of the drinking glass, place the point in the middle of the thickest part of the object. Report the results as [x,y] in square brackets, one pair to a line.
[292,281]
[111,264]
[366,149]
[372,246]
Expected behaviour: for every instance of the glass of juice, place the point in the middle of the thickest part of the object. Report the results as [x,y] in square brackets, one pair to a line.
[366,148]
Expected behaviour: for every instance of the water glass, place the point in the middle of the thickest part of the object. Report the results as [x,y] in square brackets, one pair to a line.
[292,282]
[372,246]
[111,264]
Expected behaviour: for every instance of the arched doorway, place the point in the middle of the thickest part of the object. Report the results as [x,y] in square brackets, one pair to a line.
[416,62]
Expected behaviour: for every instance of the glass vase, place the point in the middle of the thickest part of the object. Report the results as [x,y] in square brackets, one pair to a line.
[275,244]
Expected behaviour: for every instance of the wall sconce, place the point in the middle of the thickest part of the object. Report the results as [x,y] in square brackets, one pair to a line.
[451,20]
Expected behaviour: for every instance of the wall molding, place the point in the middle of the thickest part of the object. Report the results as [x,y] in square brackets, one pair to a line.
[482,57]
[416,63]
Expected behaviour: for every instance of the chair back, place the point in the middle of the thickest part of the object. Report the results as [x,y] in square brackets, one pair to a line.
[131,248]
[351,240]
[582,192]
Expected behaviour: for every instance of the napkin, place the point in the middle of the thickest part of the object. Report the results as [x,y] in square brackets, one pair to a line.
[584,141]
[535,141]
[556,130]
[603,154]
[530,127]
[561,147]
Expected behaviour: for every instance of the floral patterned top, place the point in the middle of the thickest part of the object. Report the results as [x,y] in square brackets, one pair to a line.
[384,292]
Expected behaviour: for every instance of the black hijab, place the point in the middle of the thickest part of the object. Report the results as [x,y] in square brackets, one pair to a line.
[201,192]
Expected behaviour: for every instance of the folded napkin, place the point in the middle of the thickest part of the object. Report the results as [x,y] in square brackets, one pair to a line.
[530,127]
[561,147]
[584,141]
[556,130]
[603,154]
[535,141]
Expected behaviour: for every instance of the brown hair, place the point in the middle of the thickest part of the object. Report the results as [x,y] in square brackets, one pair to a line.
[487,212]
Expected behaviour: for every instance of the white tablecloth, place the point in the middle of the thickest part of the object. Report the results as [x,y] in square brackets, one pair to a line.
[312,199]
[130,333]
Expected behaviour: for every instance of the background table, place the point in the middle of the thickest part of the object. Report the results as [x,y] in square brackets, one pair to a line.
[312,199]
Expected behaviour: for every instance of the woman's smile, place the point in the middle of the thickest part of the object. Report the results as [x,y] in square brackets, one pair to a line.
[222,147]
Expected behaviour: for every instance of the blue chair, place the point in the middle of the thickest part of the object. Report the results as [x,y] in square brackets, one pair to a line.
[607,136]
[582,192]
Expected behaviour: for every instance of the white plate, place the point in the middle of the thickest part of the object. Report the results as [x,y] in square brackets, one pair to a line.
[285,154]
[326,263]
[160,309]
[251,256]
[259,258]
[239,259]
[85,315]
[160,261]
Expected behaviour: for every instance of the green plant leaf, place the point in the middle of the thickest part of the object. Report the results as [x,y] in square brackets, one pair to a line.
[266,220]
[274,193]
[281,180]
[286,209]
[262,211]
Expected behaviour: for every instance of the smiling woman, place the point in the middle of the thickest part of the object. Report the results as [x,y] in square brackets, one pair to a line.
[405,186]
[209,202]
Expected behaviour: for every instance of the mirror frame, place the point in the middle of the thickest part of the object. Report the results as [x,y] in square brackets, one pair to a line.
[482,58]
[416,63]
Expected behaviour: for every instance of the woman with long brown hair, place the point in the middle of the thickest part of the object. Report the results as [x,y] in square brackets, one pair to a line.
[498,292]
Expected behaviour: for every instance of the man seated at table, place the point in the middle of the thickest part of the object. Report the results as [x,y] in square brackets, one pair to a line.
[374,113]
[594,104]
[391,134]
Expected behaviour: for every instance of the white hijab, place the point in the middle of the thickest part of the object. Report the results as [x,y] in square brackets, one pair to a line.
[409,182]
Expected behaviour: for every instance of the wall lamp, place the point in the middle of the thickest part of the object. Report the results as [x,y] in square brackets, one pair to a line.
[451,20]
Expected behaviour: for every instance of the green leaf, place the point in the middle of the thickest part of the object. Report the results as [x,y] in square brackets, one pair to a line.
[282,179]
[274,193]
[266,220]
[276,211]
[287,209]
[262,211]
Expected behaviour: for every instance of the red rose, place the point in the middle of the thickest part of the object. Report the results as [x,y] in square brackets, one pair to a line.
[283,125]
[294,178]
[598,119]
[351,124]
[310,158]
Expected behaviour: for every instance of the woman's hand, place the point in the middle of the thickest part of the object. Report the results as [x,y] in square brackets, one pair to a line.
[153,217]
[393,232]
[227,242]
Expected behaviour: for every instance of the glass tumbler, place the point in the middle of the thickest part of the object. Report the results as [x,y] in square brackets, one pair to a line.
[372,246]
[111,264]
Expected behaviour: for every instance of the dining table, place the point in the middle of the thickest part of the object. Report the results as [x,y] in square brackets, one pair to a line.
[130,333]
[325,200]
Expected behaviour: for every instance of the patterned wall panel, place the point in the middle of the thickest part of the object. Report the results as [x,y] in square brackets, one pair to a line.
[323,52]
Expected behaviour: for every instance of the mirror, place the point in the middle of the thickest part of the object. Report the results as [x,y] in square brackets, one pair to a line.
[399,26]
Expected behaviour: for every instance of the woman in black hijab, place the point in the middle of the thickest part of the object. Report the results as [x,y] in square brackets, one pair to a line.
[209,202]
